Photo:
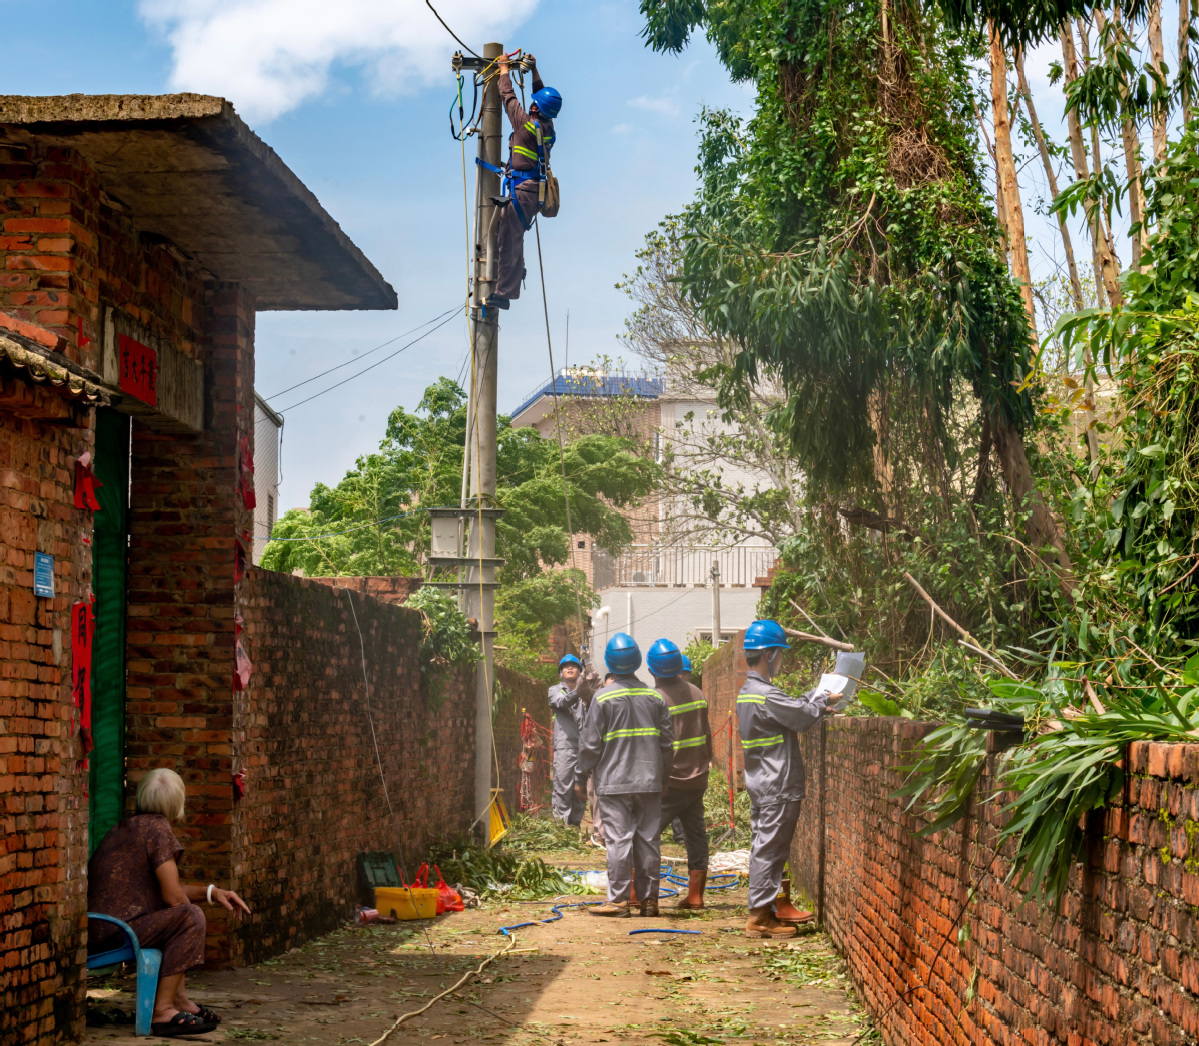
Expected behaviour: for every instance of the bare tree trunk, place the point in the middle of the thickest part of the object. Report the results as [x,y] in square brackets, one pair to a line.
[1047,162]
[1107,268]
[1158,53]
[1132,151]
[1184,54]
[1044,532]
[1006,184]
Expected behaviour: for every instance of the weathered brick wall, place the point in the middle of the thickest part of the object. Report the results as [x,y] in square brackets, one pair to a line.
[313,793]
[1118,966]
[385,589]
[43,894]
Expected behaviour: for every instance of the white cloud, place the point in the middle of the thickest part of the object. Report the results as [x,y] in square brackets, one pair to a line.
[665,106]
[622,128]
[269,56]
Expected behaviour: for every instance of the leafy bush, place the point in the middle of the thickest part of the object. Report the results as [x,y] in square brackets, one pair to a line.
[447,641]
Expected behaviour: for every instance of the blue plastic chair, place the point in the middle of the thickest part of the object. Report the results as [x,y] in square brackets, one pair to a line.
[148,961]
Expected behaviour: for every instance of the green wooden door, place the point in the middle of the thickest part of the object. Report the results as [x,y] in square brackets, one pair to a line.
[110,545]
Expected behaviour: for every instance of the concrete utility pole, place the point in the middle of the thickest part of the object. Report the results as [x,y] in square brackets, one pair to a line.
[716,603]
[480,543]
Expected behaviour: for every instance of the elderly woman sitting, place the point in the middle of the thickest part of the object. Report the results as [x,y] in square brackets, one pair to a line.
[133,875]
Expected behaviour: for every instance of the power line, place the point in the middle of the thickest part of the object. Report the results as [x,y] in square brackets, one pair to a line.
[451,31]
[359,359]
[453,314]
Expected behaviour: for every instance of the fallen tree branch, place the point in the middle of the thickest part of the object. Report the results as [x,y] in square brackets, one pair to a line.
[811,620]
[807,637]
[937,610]
[992,658]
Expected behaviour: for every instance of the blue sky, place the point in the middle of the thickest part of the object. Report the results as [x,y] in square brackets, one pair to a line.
[370,137]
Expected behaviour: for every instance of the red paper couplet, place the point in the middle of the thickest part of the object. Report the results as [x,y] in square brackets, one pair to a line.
[138,369]
[83,628]
[245,479]
[243,668]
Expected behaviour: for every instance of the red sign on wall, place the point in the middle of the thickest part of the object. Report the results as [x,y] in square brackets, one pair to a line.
[139,369]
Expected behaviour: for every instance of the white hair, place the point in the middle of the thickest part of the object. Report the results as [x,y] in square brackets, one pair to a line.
[161,791]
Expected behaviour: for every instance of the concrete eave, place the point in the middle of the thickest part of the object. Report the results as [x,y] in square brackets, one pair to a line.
[185,167]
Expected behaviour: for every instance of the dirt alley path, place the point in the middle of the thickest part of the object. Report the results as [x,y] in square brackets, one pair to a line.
[579,981]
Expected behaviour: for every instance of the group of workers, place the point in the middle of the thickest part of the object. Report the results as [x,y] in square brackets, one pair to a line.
[642,756]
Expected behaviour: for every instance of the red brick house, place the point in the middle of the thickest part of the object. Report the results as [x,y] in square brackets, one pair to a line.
[138,238]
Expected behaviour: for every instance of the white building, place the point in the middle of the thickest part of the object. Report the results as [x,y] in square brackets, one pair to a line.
[663,586]
[268,445]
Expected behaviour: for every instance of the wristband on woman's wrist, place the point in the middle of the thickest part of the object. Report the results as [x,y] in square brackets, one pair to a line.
[211,887]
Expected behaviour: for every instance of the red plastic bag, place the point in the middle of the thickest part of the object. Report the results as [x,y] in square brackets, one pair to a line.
[448,899]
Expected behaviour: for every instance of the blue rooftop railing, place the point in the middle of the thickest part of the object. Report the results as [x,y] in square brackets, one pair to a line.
[568,383]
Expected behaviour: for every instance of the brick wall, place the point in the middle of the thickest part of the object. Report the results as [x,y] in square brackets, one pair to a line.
[724,673]
[42,891]
[1118,966]
[516,693]
[387,589]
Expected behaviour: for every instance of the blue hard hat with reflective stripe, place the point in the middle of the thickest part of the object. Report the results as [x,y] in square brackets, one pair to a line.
[569,659]
[548,101]
[622,655]
[664,659]
[763,635]
[686,663]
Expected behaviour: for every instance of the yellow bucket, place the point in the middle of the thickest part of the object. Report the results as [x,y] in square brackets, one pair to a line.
[404,903]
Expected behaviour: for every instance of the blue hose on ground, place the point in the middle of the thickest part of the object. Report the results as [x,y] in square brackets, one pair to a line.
[557,910]
[656,930]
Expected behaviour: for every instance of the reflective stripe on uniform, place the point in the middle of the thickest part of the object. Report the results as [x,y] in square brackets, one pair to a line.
[690,706]
[745,699]
[628,692]
[529,154]
[762,742]
[632,731]
[691,742]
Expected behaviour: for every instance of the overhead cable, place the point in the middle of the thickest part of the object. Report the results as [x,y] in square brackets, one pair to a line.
[451,31]
[359,359]
[452,315]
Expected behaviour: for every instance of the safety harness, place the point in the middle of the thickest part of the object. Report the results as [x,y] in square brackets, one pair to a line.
[513,178]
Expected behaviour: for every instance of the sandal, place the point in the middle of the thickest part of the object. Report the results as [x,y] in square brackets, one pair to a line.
[182,1024]
[206,1015]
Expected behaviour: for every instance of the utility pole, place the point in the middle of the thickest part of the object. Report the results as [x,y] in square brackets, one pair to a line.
[480,542]
[716,603]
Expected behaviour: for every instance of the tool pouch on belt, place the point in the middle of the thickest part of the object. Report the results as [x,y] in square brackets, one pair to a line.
[547,187]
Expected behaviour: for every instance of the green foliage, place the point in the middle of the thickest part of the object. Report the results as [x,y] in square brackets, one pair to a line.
[716,810]
[698,650]
[373,522]
[541,835]
[496,873]
[447,641]
[842,238]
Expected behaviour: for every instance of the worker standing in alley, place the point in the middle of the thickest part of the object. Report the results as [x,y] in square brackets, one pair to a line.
[568,702]
[525,181]
[683,796]
[770,721]
[627,742]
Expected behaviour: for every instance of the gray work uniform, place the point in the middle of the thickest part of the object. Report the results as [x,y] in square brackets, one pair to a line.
[567,706]
[769,721]
[687,780]
[627,742]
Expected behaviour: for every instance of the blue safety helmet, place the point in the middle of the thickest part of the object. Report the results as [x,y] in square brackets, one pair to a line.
[548,101]
[763,635]
[664,659]
[622,655]
[686,663]
[569,659]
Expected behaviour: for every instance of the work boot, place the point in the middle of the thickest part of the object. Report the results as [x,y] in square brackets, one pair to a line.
[697,879]
[612,909]
[496,302]
[785,911]
[762,923]
[649,909]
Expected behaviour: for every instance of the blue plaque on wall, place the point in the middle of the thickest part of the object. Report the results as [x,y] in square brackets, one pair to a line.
[43,574]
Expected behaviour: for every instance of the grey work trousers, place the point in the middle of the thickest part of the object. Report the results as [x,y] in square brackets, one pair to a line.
[510,242]
[772,829]
[565,805]
[633,834]
[686,805]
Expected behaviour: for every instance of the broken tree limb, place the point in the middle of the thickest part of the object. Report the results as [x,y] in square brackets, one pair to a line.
[992,658]
[807,637]
[937,610]
[811,620]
